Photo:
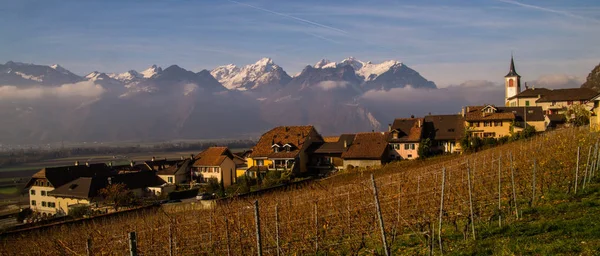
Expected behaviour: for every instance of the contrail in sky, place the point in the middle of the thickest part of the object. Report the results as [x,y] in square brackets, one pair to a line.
[291,17]
[564,13]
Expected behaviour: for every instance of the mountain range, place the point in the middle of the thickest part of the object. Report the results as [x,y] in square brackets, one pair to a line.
[43,104]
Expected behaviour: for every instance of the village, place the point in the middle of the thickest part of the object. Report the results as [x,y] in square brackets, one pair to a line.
[285,153]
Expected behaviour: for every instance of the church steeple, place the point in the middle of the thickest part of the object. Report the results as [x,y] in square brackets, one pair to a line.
[512,84]
[512,71]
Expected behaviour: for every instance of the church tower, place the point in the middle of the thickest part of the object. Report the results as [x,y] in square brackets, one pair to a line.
[512,82]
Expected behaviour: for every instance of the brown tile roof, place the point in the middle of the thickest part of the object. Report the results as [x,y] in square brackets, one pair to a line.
[336,147]
[531,93]
[525,113]
[571,94]
[372,145]
[58,176]
[212,156]
[331,138]
[296,136]
[88,187]
[444,127]
[409,129]
[475,113]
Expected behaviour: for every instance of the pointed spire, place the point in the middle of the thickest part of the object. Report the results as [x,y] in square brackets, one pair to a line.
[512,71]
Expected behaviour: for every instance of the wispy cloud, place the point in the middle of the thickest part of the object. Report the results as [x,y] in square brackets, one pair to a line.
[544,9]
[292,17]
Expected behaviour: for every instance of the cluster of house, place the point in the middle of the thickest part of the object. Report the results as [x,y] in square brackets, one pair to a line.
[302,149]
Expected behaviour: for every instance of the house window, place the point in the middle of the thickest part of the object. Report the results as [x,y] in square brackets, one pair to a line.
[527,103]
[395,135]
[451,130]
[33,192]
[43,204]
[260,162]
[217,169]
[511,83]
[489,134]
[406,146]
[33,202]
[412,146]
[275,149]
[487,124]
[570,103]
[553,103]
[581,102]
[51,204]
[498,123]
[287,148]
[170,179]
[409,156]
[476,124]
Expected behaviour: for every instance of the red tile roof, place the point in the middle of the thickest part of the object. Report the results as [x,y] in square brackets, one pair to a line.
[296,136]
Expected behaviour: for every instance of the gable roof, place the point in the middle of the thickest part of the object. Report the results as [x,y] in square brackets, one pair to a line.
[444,127]
[297,136]
[531,93]
[179,167]
[58,176]
[409,129]
[372,145]
[475,113]
[570,94]
[336,147]
[212,156]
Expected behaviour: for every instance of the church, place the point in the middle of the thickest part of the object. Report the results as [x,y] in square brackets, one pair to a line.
[552,101]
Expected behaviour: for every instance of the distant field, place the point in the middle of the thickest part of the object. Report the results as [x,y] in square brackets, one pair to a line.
[8,190]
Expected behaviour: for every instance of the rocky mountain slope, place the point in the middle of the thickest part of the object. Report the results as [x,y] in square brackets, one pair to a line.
[593,79]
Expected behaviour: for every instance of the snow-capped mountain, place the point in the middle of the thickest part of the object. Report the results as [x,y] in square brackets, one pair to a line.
[151,71]
[16,73]
[126,77]
[264,74]
[385,75]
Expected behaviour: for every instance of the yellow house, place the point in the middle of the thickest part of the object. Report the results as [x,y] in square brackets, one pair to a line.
[46,180]
[85,191]
[177,173]
[445,131]
[495,122]
[284,148]
[214,163]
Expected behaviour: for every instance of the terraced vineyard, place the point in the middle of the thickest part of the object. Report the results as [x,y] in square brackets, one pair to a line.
[424,207]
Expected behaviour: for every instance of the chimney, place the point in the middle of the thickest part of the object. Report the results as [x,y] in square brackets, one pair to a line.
[526,87]
[412,116]
[191,156]
[462,112]
[419,123]
[110,163]
[181,157]
[87,164]
[345,144]
[467,109]
[131,163]
[109,180]
[76,163]
[153,158]
[389,127]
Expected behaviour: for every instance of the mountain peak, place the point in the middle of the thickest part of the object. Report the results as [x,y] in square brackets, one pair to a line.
[151,71]
[264,62]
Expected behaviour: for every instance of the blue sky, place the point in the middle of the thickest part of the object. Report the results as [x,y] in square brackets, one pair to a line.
[448,42]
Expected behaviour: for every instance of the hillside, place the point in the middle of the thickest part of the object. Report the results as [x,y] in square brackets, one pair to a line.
[593,79]
[525,197]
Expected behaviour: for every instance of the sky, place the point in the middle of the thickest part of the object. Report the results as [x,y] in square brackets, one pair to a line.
[448,42]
